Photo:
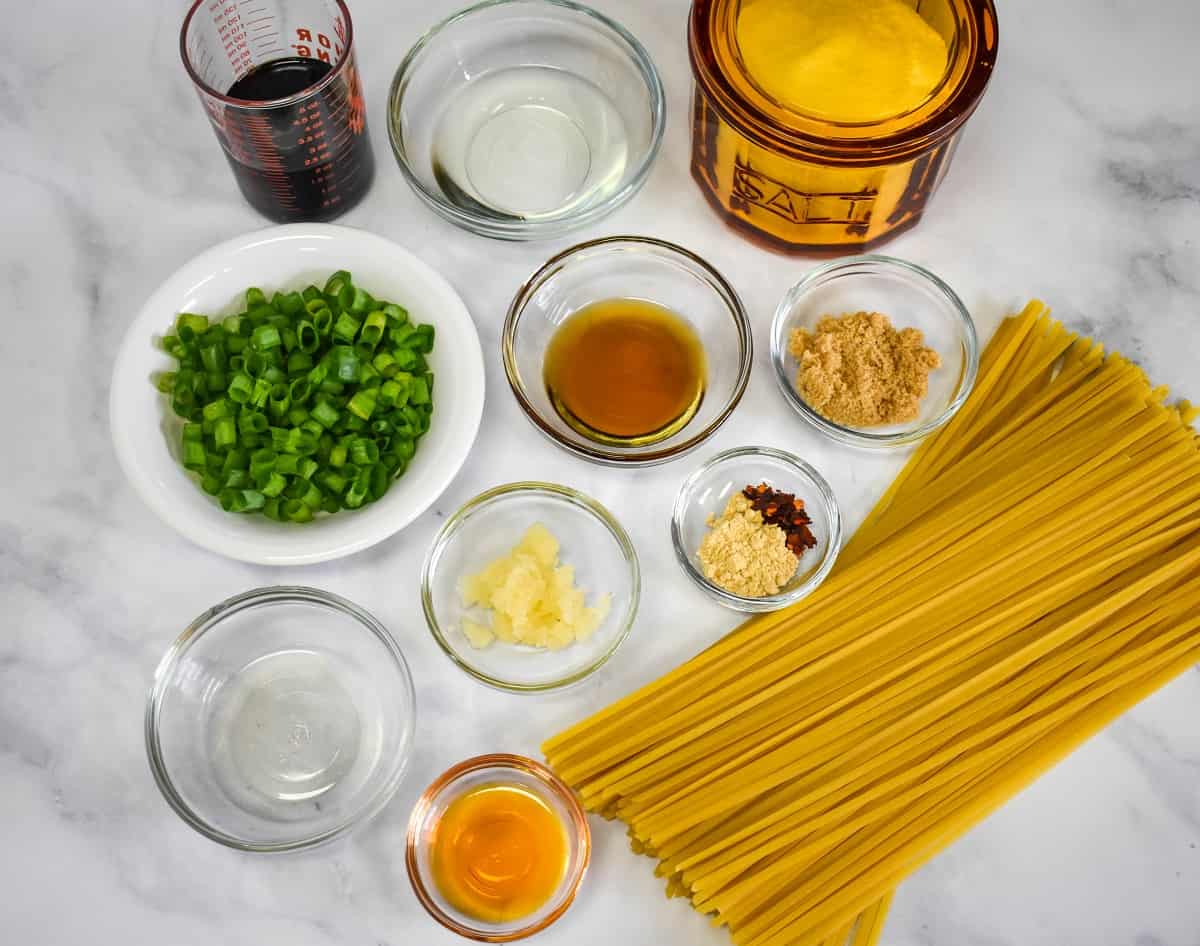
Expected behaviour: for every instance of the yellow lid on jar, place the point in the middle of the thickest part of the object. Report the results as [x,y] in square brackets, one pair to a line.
[844,61]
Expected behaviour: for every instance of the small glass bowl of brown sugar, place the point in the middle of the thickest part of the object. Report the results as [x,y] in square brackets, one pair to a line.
[874,351]
[744,512]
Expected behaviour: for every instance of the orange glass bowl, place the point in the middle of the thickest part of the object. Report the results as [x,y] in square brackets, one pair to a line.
[795,182]
[461,779]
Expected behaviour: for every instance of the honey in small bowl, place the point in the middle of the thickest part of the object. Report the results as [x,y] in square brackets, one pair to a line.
[499,853]
[626,372]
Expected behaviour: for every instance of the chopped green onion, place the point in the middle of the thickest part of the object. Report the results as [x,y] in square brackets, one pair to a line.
[213,358]
[346,328]
[189,326]
[300,390]
[344,363]
[210,483]
[307,337]
[240,388]
[336,281]
[420,392]
[241,500]
[296,511]
[215,410]
[265,337]
[235,459]
[385,364]
[362,404]
[279,401]
[364,452]
[251,423]
[260,393]
[292,303]
[322,321]
[312,497]
[331,481]
[324,414]
[299,362]
[262,462]
[308,402]
[274,485]
[361,301]
[225,433]
[373,328]
[195,457]
[379,482]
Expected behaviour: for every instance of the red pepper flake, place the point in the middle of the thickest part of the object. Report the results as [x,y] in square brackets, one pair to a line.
[787,512]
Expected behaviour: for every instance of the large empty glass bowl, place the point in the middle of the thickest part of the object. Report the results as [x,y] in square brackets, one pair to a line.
[280,719]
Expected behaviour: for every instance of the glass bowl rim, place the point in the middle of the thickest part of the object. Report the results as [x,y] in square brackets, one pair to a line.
[272,595]
[552,491]
[828,501]
[597,453]
[892,266]
[554,226]
[510,762]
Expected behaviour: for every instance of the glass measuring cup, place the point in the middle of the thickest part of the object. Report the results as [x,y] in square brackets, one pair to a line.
[280,84]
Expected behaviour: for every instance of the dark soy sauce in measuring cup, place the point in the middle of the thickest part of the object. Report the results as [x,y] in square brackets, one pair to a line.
[310,160]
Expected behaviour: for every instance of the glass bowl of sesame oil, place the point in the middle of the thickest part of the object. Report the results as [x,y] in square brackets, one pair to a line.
[627,351]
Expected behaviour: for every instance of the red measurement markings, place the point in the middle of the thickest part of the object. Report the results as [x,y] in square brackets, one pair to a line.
[231,34]
[312,126]
[269,159]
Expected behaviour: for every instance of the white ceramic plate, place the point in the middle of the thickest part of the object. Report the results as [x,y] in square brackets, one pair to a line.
[145,430]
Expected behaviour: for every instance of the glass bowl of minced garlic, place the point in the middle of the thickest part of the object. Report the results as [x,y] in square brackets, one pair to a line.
[530,586]
[874,351]
[756,528]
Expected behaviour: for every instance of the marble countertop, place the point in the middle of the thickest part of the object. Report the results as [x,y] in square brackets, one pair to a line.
[1077,181]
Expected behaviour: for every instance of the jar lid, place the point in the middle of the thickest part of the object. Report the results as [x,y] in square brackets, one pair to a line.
[745,102]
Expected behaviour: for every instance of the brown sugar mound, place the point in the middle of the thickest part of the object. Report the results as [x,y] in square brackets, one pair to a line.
[857,370]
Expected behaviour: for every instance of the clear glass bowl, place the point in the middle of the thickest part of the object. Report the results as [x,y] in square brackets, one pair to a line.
[280,719]
[911,297]
[473,773]
[640,268]
[594,159]
[488,527]
[705,493]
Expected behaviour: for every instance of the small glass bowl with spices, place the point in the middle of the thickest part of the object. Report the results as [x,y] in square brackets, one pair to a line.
[756,528]
[874,351]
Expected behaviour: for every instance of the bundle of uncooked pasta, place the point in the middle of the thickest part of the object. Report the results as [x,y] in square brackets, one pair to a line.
[1032,573]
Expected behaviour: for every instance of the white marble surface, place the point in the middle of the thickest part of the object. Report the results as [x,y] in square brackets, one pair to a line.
[1078,180]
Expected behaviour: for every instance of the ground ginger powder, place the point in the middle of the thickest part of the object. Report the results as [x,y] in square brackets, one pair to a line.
[743,554]
[857,370]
